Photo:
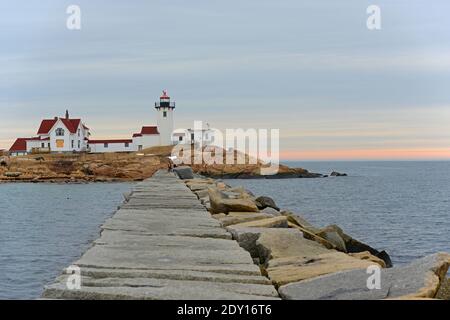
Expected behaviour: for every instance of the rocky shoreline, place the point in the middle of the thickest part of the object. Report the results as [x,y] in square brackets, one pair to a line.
[126,167]
[307,262]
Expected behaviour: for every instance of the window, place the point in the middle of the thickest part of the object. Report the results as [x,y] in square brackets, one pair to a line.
[165,114]
[42,145]
[60,143]
[139,147]
[180,138]
[79,144]
[127,144]
[59,132]
[72,144]
[105,145]
[49,145]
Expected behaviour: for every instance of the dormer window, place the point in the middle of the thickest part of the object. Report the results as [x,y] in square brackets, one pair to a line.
[59,132]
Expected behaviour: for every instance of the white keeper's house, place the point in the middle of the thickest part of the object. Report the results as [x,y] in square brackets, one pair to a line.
[72,135]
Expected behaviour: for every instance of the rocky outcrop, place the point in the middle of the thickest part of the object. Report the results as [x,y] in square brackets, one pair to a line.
[249,171]
[417,280]
[337,174]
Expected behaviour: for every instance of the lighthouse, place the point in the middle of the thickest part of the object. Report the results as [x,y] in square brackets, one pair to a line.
[165,119]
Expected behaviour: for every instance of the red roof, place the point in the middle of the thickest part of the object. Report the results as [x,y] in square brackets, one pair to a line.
[47,125]
[164,95]
[19,145]
[137,135]
[149,130]
[110,141]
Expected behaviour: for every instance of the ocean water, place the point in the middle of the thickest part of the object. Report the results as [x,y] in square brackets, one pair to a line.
[400,207]
[45,227]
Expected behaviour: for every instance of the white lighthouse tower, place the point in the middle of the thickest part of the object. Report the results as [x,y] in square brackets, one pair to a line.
[165,119]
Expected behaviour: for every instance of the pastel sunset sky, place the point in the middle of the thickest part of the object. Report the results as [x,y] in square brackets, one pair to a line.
[336,90]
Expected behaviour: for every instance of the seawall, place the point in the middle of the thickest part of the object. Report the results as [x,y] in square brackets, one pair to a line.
[163,244]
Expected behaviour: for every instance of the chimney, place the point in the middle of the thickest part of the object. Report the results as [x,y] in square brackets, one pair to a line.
[67,114]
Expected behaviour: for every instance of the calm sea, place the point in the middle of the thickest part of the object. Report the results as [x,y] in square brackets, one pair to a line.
[401,207]
[45,227]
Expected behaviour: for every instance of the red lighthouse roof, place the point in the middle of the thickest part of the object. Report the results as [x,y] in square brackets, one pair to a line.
[164,95]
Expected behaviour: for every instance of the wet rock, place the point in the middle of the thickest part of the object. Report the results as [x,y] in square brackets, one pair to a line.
[337,174]
[354,246]
[266,202]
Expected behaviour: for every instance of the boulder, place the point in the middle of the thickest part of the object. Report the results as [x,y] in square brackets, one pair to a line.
[311,236]
[298,268]
[271,211]
[202,193]
[272,222]
[366,255]
[87,170]
[354,246]
[420,279]
[220,203]
[12,174]
[334,237]
[269,243]
[266,202]
[337,174]
[184,172]
[240,217]
[299,221]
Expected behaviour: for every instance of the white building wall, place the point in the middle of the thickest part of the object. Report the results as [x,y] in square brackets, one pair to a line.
[67,138]
[151,140]
[165,125]
[112,147]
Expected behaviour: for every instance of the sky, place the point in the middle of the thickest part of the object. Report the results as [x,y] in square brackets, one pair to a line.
[312,69]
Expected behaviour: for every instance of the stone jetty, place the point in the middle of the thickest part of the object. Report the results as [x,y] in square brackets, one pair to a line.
[163,244]
[191,237]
